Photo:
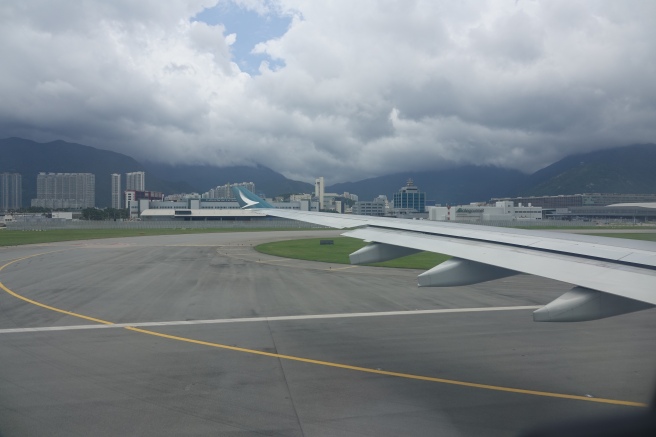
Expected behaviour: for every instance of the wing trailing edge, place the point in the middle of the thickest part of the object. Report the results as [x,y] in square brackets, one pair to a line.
[611,276]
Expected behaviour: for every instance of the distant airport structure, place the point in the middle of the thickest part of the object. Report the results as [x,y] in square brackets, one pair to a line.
[408,202]
[576,200]
[11,191]
[133,199]
[328,201]
[207,209]
[377,207]
[593,206]
[217,203]
[623,212]
[500,211]
[65,191]
[319,191]
[409,199]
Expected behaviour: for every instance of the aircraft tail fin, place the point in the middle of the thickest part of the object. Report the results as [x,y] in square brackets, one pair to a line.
[248,200]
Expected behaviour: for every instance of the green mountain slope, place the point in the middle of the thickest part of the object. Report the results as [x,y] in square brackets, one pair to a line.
[450,186]
[204,177]
[627,169]
[29,158]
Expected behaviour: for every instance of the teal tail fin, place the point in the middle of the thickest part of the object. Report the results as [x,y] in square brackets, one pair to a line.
[248,200]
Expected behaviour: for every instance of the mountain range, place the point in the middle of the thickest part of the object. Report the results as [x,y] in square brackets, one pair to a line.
[204,177]
[627,169]
[29,158]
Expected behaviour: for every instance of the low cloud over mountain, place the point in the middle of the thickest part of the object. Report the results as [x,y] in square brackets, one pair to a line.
[348,89]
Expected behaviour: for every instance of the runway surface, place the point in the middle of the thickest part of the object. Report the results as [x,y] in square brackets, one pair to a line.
[201,335]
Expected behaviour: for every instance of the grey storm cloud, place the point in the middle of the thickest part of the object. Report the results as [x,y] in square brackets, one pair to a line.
[352,90]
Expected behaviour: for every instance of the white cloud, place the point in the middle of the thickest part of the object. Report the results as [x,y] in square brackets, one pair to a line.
[359,89]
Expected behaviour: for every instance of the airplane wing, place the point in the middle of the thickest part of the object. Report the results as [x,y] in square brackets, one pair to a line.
[611,276]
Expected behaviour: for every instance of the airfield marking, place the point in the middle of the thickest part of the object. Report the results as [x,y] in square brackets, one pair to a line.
[317,362]
[296,266]
[388,373]
[188,245]
[274,262]
[341,268]
[303,264]
[266,319]
[48,307]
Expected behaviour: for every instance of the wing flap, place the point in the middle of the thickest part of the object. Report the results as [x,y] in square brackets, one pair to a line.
[622,272]
[623,280]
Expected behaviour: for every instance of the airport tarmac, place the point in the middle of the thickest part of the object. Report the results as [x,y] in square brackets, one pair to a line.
[202,335]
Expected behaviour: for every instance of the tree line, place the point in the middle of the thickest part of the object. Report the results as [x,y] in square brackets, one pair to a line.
[86,213]
[105,214]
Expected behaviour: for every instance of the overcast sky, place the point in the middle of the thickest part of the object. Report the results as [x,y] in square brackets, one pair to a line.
[341,89]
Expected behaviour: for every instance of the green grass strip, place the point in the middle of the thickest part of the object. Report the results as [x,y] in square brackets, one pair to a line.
[591,227]
[651,236]
[310,249]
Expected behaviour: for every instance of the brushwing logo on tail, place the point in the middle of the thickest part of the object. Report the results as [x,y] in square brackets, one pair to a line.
[247,201]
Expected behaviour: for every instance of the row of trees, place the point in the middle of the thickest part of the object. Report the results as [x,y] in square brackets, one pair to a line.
[87,213]
[30,210]
[105,214]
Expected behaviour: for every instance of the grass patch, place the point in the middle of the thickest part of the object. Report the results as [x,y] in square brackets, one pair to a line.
[309,249]
[16,238]
[647,236]
[591,227]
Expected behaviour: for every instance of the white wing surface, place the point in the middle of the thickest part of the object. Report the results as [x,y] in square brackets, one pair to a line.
[611,276]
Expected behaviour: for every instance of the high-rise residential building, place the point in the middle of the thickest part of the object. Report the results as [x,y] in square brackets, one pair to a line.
[319,190]
[135,181]
[11,191]
[65,190]
[117,194]
[410,198]
[225,191]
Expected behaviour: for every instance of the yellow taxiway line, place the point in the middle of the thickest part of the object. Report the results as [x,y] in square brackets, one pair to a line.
[318,362]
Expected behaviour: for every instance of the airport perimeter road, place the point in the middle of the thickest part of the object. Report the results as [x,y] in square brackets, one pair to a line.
[201,335]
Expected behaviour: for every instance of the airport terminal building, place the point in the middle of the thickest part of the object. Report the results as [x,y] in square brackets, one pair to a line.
[501,211]
[599,207]
[206,209]
[505,211]
[579,200]
[642,212]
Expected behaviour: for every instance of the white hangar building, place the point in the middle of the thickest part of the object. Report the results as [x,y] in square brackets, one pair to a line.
[206,209]
[501,211]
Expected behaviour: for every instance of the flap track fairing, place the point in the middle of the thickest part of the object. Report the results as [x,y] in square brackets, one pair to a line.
[379,252]
[582,304]
[458,271]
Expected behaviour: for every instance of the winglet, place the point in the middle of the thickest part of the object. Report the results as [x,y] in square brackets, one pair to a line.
[248,200]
